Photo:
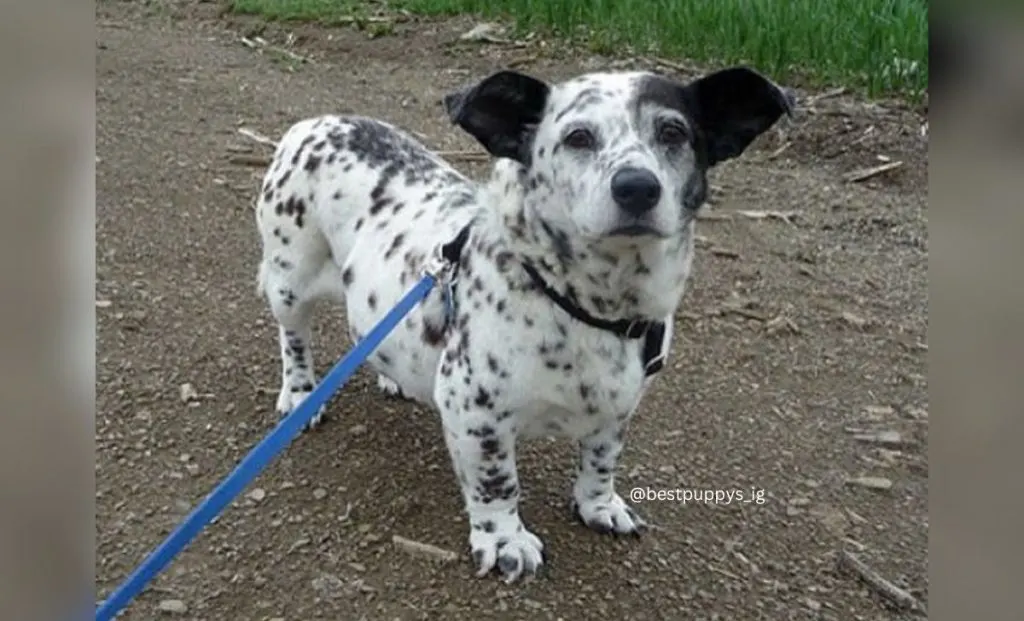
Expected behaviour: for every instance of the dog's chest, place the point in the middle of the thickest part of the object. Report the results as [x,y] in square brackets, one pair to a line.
[559,376]
[596,378]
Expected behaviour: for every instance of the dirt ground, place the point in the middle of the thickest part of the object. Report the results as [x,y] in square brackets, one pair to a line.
[798,334]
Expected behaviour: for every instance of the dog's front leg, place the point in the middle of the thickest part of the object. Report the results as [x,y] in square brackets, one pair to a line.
[594,497]
[483,454]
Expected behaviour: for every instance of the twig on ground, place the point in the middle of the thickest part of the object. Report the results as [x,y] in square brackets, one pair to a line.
[468,156]
[835,92]
[727,253]
[352,19]
[424,549]
[523,60]
[712,217]
[777,152]
[256,161]
[784,216]
[866,173]
[743,312]
[664,62]
[258,43]
[260,138]
[894,594]
[724,572]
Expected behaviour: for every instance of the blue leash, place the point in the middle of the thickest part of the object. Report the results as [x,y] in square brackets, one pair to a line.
[261,455]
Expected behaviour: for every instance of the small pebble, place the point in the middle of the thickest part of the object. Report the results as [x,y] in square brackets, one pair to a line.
[319,493]
[187,392]
[257,495]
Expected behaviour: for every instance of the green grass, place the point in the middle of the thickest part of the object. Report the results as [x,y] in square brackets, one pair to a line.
[877,46]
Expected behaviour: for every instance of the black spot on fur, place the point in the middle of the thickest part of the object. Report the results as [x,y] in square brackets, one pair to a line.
[283,179]
[432,335]
[483,398]
[396,243]
[371,301]
[347,276]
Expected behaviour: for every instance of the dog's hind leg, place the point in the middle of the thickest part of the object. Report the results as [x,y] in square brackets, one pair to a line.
[297,271]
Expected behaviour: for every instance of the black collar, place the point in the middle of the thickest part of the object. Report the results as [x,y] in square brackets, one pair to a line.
[652,355]
[622,327]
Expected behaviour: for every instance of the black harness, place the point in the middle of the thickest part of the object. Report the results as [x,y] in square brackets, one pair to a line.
[653,332]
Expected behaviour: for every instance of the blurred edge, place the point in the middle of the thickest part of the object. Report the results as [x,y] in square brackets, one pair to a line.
[976,335]
[47,272]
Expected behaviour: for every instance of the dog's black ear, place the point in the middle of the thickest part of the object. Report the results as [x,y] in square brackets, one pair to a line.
[500,112]
[734,106]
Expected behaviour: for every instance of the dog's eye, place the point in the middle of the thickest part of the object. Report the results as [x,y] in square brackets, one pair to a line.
[672,134]
[580,139]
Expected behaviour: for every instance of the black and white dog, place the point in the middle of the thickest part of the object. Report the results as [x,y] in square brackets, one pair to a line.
[572,260]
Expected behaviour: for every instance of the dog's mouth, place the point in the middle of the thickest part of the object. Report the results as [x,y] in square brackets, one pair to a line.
[635,230]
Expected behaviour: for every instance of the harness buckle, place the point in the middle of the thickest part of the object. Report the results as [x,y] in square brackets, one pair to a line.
[444,273]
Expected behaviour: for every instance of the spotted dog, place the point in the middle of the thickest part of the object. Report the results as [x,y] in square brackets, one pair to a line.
[571,261]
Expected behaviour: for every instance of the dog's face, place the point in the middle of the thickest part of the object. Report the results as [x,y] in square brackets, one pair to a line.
[617,157]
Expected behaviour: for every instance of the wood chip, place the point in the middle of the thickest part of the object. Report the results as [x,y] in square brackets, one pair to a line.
[483,33]
[522,60]
[901,598]
[260,138]
[854,320]
[879,412]
[424,549]
[172,606]
[781,325]
[467,156]
[255,161]
[664,62]
[877,483]
[777,152]
[743,312]
[890,438]
[725,252]
[867,173]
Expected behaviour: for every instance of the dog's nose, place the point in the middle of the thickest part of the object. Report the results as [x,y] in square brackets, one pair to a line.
[635,190]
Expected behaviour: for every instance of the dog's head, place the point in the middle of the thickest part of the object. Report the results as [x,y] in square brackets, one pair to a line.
[612,157]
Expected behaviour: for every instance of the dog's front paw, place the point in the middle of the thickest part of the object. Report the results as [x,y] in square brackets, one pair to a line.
[505,544]
[609,515]
[290,398]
